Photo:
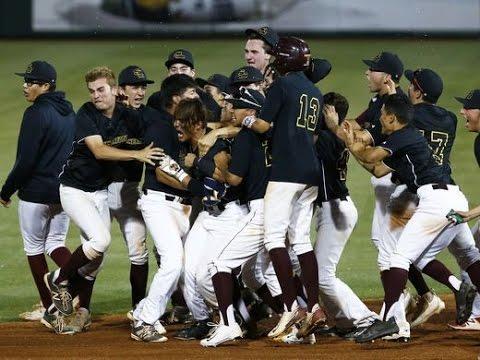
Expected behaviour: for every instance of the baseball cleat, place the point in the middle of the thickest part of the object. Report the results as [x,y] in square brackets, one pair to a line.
[472,324]
[35,315]
[464,300]
[79,322]
[292,337]
[222,334]
[130,315]
[312,321]
[356,332]
[410,302]
[147,333]
[403,334]
[61,298]
[428,305]
[377,330]
[197,331]
[287,320]
[55,322]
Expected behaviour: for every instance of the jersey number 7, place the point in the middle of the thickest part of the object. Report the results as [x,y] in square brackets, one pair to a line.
[309,110]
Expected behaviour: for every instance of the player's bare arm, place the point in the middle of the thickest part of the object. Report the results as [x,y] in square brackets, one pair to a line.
[102,151]
[222,161]
[256,124]
[207,141]
[466,216]
[166,179]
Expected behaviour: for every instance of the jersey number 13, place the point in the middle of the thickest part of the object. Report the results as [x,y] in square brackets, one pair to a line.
[309,109]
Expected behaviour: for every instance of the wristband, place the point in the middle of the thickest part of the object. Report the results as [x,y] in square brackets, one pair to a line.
[249,120]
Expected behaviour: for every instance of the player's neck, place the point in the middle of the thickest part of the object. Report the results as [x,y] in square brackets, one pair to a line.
[197,137]
[109,112]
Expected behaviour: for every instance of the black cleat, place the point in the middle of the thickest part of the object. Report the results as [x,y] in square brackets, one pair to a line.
[377,330]
[354,333]
[198,331]
[464,301]
[61,297]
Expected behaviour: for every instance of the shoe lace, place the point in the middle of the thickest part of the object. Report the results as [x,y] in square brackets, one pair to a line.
[64,296]
[214,327]
[59,323]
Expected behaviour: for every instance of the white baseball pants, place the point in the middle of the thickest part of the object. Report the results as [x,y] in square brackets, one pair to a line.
[383,189]
[168,224]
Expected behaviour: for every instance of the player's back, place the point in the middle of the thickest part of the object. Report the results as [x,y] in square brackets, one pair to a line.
[293,105]
[439,127]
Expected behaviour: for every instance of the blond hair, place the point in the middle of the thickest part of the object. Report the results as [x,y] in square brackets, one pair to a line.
[101,72]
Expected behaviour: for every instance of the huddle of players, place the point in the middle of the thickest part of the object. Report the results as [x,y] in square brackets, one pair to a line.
[276,198]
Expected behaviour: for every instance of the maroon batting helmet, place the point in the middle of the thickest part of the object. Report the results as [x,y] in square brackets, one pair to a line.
[291,54]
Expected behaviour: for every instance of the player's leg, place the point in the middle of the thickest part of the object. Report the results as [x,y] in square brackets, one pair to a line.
[299,238]
[279,199]
[161,217]
[383,188]
[335,221]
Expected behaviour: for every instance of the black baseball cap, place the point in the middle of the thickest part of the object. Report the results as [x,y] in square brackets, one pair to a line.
[218,80]
[318,70]
[264,33]
[388,63]
[247,99]
[427,81]
[41,71]
[180,56]
[471,101]
[133,75]
[246,75]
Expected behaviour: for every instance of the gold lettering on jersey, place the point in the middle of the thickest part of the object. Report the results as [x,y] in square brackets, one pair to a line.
[268,152]
[309,111]
[124,139]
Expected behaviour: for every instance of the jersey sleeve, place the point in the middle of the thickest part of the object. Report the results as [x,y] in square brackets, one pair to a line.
[393,143]
[273,102]
[240,154]
[85,124]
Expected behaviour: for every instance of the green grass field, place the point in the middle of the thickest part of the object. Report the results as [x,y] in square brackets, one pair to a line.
[455,61]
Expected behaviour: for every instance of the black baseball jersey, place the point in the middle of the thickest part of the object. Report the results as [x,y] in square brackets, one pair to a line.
[44,142]
[124,130]
[251,161]
[370,118]
[477,149]
[163,135]
[439,127]
[333,157]
[412,159]
[293,106]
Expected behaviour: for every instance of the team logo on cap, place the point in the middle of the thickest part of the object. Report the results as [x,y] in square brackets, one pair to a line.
[469,95]
[138,73]
[263,31]
[29,69]
[178,55]
[377,57]
[242,74]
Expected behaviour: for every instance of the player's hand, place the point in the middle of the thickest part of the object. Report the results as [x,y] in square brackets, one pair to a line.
[331,117]
[390,86]
[349,133]
[5,203]
[148,154]
[171,167]
[222,160]
[206,142]
[457,217]
[189,160]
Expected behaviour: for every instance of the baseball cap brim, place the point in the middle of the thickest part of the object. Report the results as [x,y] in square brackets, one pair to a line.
[242,104]
[409,74]
[140,81]
[202,82]
[463,101]
[32,77]
[169,63]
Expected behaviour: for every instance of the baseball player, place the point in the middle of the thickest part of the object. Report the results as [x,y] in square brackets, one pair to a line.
[102,127]
[406,152]
[258,47]
[123,192]
[44,141]
[335,219]
[165,207]
[180,61]
[471,113]
[247,77]
[293,104]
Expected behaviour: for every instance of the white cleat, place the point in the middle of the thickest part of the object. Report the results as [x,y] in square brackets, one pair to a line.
[403,333]
[35,315]
[472,324]
[222,334]
[428,305]
[288,319]
[292,338]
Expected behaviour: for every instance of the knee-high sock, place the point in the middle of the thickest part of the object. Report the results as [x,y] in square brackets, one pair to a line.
[308,263]
[395,281]
[274,302]
[138,281]
[283,270]
[439,272]
[61,255]
[223,285]
[38,267]
[417,280]
[76,261]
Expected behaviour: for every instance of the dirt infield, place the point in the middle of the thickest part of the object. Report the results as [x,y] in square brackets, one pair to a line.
[109,338]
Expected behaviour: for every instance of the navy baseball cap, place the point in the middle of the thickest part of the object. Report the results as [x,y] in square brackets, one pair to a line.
[388,63]
[427,81]
[264,33]
[471,101]
[246,75]
[318,70]
[221,82]
[180,56]
[40,71]
[133,75]
[247,99]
